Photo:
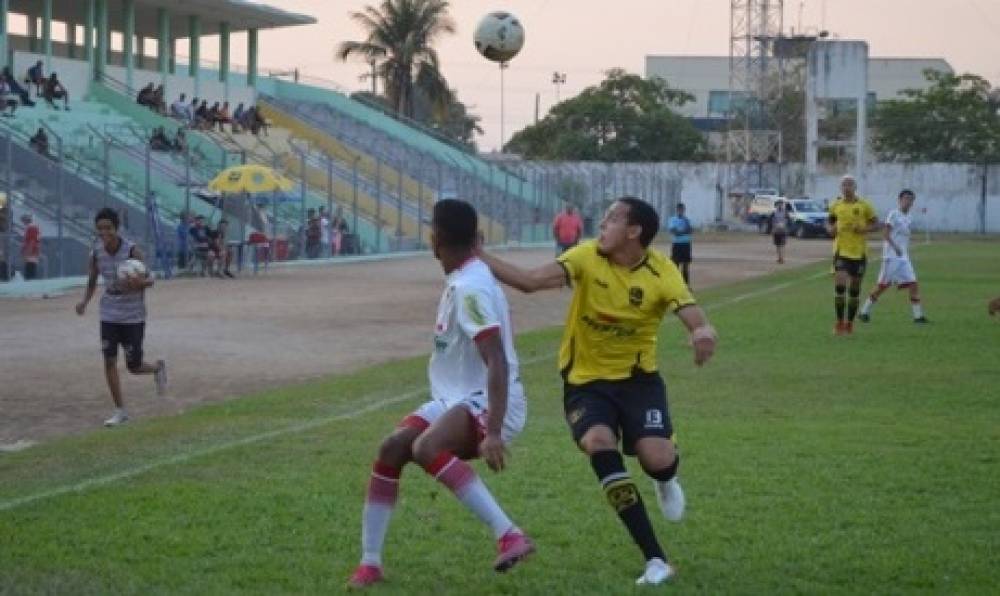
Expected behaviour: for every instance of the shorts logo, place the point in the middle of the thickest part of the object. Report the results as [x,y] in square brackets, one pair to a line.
[654,419]
[575,416]
[635,296]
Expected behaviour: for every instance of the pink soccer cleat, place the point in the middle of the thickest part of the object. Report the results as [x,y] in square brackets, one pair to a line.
[514,547]
[365,576]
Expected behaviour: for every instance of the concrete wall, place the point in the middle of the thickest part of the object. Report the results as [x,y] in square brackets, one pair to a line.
[948,195]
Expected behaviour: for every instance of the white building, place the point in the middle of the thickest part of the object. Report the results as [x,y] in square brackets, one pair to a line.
[707,78]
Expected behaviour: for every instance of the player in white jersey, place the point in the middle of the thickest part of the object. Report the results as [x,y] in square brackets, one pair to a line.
[897,270]
[477,402]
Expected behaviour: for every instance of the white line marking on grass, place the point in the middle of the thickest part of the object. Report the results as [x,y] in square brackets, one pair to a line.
[316,423]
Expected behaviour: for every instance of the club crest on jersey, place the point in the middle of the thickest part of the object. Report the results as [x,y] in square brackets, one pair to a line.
[635,296]
[440,344]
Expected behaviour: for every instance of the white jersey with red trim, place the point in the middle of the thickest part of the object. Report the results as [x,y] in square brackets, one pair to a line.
[472,305]
[899,230]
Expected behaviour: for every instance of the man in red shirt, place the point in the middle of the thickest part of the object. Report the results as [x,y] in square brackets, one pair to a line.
[567,229]
[31,248]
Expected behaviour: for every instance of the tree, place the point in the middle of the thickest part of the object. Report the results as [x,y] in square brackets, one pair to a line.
[954,120]
[400,38]
[625,118]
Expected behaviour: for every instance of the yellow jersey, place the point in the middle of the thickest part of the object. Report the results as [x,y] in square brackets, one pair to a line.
[615,315]
[846,216]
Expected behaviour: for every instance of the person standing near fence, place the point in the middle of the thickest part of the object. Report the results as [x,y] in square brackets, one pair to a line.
[31,247]
[780,220]
[123,310]
[567,229]
[680,249]
[324,233]
[183,233]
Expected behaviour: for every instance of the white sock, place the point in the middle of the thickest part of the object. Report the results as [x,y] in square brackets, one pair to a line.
[918,310]
[374,525]
[471,491]
[383,490]
[867,306]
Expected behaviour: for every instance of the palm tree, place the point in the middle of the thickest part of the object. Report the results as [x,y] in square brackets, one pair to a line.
[400,38]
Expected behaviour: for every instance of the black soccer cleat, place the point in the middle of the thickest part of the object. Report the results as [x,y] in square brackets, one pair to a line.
[921,320]
[864,318]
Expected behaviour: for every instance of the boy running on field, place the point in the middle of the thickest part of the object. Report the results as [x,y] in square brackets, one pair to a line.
[123,310]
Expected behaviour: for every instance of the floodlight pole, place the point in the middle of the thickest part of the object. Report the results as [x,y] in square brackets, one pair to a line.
[503,67]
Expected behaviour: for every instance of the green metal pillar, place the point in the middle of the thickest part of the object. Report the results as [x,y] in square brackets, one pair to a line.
[163,42]
[88,33]
[103,39]
[47,33]
[33,34]
[4,48]
[172,69]
[194,66]
[224,52]
[252,57]
[128,50]
[71,39]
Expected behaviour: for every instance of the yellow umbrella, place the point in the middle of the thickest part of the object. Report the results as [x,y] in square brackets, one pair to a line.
[249,179]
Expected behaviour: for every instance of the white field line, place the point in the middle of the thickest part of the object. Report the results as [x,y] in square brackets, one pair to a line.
[318,422]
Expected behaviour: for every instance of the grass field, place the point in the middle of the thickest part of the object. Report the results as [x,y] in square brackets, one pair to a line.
[812,464]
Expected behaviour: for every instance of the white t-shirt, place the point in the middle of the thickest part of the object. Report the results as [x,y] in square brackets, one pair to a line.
[472,304]
[324,230]
[899,223]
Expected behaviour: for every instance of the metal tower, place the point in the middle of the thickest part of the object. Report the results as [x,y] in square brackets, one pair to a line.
[754,88]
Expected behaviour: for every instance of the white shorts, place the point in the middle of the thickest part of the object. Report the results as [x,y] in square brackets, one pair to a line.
[896,271]
[477,406]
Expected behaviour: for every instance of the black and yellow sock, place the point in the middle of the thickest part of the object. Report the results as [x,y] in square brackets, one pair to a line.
[852,303]
[624,497]
[838,301]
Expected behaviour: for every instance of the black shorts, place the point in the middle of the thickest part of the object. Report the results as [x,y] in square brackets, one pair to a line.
[853,267]
[633,408]
[780,239]
[128,336]
[680,252]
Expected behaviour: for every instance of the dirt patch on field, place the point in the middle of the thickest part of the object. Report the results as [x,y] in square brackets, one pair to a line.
[225,338]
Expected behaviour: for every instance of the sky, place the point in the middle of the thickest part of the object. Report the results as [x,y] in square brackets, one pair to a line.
[584,38]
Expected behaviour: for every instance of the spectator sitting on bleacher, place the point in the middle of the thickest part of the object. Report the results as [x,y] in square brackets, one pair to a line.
[55,90]
[180,141]
[179,109]
[192,110]
[223,116]
[15,87]
[257,122]
[159,141]
[40,142]
[7,100]
[36,77]
[238,118]
[201,116]
[160,100]
[213,116]
[145,96]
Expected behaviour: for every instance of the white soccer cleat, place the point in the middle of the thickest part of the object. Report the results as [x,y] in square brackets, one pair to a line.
[671,498]
[657,572]
[119,417]
[160,377]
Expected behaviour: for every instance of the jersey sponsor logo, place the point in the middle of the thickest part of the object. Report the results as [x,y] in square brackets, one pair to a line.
[606,318]
[635,296]
[616,330]
[654,418]
[601,283]
[473,310]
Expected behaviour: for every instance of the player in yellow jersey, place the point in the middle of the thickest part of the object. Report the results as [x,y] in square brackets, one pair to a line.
[850,219]
[622,289]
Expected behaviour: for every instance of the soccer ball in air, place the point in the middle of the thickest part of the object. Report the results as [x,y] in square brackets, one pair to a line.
[132,268]
[499,36]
